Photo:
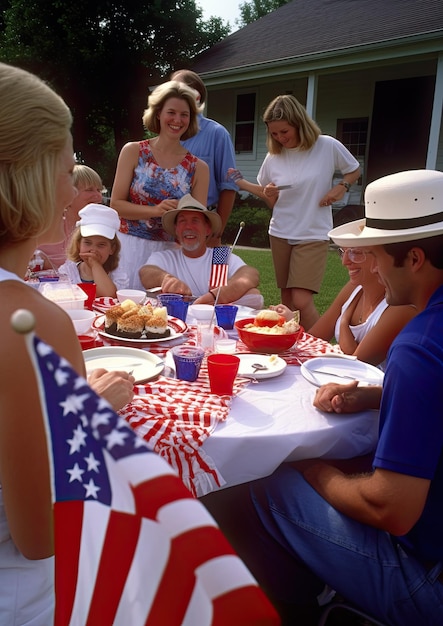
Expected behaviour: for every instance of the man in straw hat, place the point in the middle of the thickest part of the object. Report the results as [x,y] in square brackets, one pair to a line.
[187,270]
[375,537]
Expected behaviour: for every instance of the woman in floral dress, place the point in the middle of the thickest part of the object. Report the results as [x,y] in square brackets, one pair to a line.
[153,174]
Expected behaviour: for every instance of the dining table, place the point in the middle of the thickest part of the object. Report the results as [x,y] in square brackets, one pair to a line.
[214,442]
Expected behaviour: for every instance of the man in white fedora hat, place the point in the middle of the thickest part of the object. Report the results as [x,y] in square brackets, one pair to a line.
[374,535]
[187,270]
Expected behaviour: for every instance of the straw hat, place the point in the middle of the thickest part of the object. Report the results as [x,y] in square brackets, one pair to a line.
[188,203]
[98,219]
[400,207]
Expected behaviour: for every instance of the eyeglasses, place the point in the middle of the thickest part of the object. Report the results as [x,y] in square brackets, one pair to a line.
[356,255]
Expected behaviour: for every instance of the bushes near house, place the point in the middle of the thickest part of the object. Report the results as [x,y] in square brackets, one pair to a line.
[256,215]
[335,277]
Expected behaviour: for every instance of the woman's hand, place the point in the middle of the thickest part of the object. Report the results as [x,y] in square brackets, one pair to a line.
[115,387]
[271,192]
[163,207]
[283,310]
[334,195]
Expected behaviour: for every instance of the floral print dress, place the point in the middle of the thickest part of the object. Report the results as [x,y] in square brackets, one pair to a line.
[151,185]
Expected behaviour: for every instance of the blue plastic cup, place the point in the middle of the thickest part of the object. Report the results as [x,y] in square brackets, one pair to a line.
[176,305]
[226,314]
[188,360]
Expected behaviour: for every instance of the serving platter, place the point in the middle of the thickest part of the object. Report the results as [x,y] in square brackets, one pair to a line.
[330,369]
[176,326]
[142,365]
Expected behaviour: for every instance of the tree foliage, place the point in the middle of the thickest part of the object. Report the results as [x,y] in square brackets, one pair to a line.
[102,57]
[255,9]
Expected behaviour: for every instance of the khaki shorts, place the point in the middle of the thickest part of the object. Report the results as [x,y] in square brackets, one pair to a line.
[299,266]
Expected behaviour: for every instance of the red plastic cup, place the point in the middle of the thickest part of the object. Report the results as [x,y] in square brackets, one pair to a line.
[86,341]
[90,290]
[222,370]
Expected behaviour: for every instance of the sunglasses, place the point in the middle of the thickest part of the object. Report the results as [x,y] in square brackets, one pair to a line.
[356,255]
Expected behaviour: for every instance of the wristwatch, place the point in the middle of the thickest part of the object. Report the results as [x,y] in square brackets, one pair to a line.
[345,184]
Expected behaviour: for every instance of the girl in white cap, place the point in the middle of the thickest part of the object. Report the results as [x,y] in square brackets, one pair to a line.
[93,251]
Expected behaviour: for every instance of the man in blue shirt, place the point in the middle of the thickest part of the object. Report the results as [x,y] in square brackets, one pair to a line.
[213,145]
[374,536]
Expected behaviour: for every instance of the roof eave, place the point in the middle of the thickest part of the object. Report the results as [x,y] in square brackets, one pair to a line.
[376,52]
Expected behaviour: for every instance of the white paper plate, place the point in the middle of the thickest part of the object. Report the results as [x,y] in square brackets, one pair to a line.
[143,365]
[276,365]
[176,326]
[322,370]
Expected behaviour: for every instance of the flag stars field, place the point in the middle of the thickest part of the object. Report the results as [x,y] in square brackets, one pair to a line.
[75,473]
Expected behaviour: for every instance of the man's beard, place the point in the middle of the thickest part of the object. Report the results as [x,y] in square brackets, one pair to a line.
[188,245]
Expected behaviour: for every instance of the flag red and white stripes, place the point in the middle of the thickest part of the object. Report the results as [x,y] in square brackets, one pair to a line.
[219,269]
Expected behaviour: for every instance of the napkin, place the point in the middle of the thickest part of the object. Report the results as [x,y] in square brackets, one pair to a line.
[175,417]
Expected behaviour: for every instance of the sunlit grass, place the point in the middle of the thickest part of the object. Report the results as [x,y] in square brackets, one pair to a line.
[335,277]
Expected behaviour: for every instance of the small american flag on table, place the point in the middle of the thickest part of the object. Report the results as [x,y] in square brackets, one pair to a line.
[219,270]
[132,546]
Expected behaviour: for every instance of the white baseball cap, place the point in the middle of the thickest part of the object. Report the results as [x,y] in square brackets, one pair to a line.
[98,219]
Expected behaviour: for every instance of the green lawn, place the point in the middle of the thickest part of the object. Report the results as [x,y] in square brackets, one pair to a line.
[335,277]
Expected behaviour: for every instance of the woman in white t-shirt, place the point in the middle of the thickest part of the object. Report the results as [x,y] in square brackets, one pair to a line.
[302,162]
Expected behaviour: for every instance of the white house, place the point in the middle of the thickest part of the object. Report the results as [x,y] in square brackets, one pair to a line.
[370,72]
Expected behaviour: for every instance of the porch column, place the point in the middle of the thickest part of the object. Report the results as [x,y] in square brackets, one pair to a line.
[437,112]
[311,96]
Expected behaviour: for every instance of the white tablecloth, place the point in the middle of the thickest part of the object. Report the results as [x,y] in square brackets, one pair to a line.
[274,420]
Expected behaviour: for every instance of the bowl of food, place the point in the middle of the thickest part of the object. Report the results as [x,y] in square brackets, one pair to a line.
[201,311]
[82,319]
[136,295]
[263,337]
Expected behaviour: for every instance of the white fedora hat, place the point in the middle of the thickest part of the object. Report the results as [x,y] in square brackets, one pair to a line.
[188,203]
[399,207]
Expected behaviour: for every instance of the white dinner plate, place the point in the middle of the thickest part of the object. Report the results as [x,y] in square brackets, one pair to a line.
[275,365]
[322,370]
[176,326]
[143,365]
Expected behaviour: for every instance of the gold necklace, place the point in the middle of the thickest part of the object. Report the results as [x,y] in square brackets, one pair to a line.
[371,308]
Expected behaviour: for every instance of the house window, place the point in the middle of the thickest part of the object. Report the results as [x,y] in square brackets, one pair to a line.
[245,122]
[353,133]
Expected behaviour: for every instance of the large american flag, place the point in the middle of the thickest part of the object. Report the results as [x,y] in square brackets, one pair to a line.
[132,546]
[219,269]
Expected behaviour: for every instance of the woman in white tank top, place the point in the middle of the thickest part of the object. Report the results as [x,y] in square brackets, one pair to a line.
[36,163]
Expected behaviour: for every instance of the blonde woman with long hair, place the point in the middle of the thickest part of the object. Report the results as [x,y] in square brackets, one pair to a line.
[300,157]
[36,186]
